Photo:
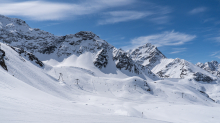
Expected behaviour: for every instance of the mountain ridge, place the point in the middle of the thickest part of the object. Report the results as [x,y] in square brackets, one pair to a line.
[212,67]
[141,60]
[46,46]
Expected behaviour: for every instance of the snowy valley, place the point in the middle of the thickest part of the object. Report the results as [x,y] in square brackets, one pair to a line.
[82,78]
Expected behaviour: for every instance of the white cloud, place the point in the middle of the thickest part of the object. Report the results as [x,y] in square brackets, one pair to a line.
[160,19]
[122,16]
[36,10]
[168,38]
[154,13]
[217,39]
[161,14]
[208,20]
[42,10]
[198,10]
[216,54]
[178,50]
[217,22]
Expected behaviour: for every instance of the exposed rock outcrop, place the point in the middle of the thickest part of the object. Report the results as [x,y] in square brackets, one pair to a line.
[29,56]
[201,77]
[101,59]
[2,61]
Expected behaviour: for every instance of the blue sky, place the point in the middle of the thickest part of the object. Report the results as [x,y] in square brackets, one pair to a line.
[187,29]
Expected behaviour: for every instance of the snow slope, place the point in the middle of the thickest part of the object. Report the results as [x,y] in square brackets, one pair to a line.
[108,100]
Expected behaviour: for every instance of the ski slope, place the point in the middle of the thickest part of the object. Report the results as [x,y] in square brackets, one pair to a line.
[32,94]
[21,103]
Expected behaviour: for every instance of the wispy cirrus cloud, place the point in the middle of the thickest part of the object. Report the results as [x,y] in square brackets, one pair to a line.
[208,20]
[178,50]
[161,15]
[216,54]
[168,38]
[198,10]
[43,10]
[217,39]
[154,13]
[122,16]
[160,19]
[217,22]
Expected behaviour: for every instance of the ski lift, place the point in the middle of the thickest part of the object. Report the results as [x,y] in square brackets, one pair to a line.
[61,77]
[77,81]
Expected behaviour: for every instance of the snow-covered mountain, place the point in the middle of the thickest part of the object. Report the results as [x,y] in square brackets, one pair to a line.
[82,78]
[46,46]
[147,55]
[180,68]
[74,49]
[212,67]
[28,69]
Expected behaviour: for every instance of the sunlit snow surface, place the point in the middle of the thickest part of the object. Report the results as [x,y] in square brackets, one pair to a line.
[31,94]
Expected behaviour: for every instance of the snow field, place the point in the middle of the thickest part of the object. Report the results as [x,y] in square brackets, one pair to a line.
[31,94]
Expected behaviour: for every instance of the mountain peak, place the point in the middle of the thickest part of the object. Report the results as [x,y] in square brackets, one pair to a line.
[147,55]
[145,46]
[149,45]
[212,67]
[215,62]
[11,23]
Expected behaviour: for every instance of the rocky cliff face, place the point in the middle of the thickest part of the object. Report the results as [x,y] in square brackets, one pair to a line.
[147,55]
[101,59]
[29,56]
[23,55]
[2,59]
[202,77]
[123,60]
[212,67]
